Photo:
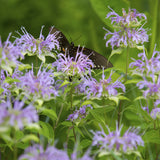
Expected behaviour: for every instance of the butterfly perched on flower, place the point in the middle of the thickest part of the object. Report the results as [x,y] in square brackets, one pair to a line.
[69,48]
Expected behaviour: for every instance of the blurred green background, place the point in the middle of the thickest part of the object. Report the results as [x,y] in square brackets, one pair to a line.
[81,21]
[75,18]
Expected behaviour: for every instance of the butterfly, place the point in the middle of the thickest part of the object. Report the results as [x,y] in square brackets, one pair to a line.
[69,48]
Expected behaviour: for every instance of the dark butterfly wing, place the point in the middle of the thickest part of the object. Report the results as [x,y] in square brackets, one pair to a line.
[63,42]
[98,60]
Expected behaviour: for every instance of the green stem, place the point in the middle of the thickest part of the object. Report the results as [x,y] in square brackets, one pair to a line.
[127,62]
[58,116]
[154,25]
[74,133]
[71,94]
[36,65]
[14,147]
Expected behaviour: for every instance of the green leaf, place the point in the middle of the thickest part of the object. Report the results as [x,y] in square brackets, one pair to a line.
[7,68]
[115,99]
[67,123]
[30,137]
[33,128]
[64,83]
[87,102]
[10,80]
[19,135]
[85,143]
[152,136]
[50,113]
[123,98]
[22,67]
[1,90]
[135,81]
[41,57]
[140,47]
[139,98]
[116,51]
[46,130]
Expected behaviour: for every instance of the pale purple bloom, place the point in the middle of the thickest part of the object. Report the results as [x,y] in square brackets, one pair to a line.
[145,109]
[9,54]
[131,18]
[105,87]
[155,113]
[3,112]
[151,87]
[7,86]
[36,46]
[79,114]
[129,30]
[40,85]
[80,65]
[75,156]
[114,141]
[145,66]
[17,115]
[36,152]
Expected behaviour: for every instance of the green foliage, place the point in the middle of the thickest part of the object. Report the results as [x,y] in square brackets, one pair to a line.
[83,22]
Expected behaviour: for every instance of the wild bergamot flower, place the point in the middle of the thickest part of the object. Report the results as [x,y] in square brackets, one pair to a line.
[128,29]
[115,141]
[79,66]
[38,85]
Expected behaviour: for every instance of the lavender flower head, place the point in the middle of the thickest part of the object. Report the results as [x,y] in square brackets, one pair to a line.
[17,115]
[103,88]
[79,114]
[75,156]
[9,54]
[40,85]
[145,66]
[129,29]
[150,88]
[36,152]
[114,141]
[37,46]
[5,86]
[155,113]
[80,65]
